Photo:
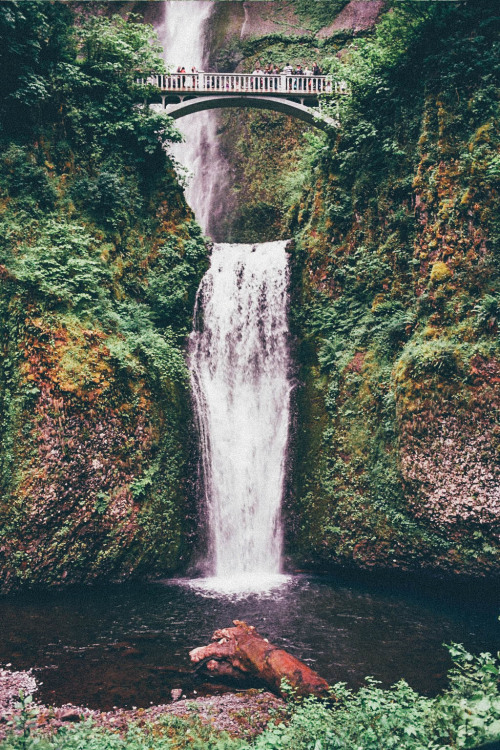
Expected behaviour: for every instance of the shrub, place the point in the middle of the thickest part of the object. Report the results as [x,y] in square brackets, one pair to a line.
[437,356]
[64,266]
[108,199]
[488,312]
[26,181]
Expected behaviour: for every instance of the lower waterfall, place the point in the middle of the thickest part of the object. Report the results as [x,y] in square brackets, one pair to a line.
[239,364]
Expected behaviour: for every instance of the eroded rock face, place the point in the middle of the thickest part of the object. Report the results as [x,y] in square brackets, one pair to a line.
[240,652]
[449,448]
[84,443]
[358,15]
[397,451]
[260,20]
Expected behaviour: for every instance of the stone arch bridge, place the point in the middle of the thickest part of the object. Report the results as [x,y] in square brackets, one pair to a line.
[299,96]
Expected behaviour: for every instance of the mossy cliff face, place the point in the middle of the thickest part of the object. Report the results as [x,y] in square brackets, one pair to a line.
[394,456]
[396,309]
[96,443]
[100,259]
[263,149]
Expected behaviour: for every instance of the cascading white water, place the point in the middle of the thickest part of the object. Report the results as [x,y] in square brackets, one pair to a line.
[238,351]
[239,364]
[182,34]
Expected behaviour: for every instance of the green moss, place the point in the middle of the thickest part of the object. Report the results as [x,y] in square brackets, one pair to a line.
[439,273]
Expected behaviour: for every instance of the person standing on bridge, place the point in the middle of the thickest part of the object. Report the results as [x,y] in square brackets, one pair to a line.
[276,72]
[257,81]
[286,83]
[298,83]
[308,73]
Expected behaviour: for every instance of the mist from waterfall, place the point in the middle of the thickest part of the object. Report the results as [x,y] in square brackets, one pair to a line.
[239,364]
[182,34]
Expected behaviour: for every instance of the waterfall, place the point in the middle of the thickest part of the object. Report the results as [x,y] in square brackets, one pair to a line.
[182,34]
[238,351]
[239,364]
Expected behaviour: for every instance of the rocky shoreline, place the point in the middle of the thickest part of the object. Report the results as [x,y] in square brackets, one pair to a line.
[243,713]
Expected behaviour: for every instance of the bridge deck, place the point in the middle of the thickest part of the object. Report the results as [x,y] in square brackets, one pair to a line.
[180,85]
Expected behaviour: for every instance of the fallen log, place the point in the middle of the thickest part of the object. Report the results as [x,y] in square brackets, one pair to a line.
[240,652]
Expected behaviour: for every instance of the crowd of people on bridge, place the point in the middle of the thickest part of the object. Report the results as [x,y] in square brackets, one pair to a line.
[184,79]
[288,70]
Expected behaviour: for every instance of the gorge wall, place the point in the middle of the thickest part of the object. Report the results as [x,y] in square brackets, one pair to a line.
[397,309]
[100,259]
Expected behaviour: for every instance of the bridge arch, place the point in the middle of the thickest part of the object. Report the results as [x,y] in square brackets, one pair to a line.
[285,106]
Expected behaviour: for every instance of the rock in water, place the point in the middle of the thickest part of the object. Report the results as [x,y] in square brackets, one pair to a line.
[242,652]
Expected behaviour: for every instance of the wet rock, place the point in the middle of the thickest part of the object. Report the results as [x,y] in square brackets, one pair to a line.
[70,714]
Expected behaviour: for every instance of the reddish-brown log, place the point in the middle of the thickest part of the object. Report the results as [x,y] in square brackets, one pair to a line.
[241,652]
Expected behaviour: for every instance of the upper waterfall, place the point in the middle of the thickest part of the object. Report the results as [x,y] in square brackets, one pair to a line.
[239,363]
[182,34]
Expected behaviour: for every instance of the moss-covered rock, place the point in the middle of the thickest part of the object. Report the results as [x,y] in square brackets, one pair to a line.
[100,259]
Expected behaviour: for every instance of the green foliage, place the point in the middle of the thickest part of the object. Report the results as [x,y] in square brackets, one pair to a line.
[110,199]
[320,13]
[24,721]
[465,715]
[26,181]
[82,78]
[101,92]
[171,283]
[62,266]
[100,260]
[35,37]
[169,733]
[488,312]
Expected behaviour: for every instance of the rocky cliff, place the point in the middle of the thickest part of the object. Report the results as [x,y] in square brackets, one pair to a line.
[396,306]
[100,259]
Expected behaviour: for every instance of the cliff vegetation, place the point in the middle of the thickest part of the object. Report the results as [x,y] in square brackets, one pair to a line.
[396,303]
[100,259]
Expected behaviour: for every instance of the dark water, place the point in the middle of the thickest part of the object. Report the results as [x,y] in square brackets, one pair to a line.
[128,645]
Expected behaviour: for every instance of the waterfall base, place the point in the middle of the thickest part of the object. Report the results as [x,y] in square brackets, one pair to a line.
[236,586]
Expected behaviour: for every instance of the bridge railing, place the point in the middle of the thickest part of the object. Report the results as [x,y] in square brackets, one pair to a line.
[303,85]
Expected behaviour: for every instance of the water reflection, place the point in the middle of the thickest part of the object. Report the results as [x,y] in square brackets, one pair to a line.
[128,645]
